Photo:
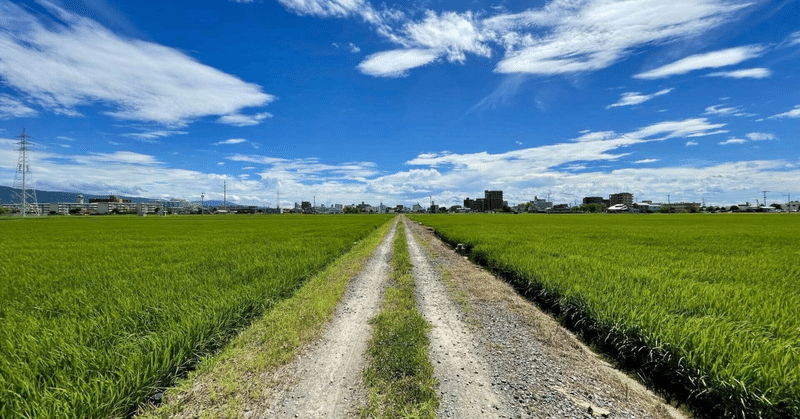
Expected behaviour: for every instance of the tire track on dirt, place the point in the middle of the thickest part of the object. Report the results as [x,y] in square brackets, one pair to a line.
[458,360]
[538,368]
[325,381]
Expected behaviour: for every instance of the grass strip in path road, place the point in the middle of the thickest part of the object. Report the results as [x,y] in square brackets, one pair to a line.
[400,375]
[223,385]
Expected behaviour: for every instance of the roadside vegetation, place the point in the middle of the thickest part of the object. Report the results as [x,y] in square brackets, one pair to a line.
[99,314]
[400,377]
[222,384]
[701,307]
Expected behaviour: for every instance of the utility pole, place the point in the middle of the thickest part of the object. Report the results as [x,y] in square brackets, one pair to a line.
[202,202]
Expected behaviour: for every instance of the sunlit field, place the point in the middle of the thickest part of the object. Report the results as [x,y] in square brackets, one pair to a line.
[704,307]
[97,313]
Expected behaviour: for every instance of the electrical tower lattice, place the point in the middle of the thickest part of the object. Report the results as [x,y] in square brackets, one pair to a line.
[26,199]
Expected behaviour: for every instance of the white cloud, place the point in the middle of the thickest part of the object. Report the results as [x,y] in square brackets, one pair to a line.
[760,136]
[562,37]
[65,145]
[396,63]
[231,141]
[353,48]
[116,158]
[13,108]
[325,8]
[636,98]
[733,141]
[152,135]
[589,147]
[794,113]
[309,170]
[240,120]
[222,163]
[644,161]
[753,73]
[718,110]
[715,59]
[61,137]
[791,40]
[449,35]
[586,36]
[80,63]
[691,143]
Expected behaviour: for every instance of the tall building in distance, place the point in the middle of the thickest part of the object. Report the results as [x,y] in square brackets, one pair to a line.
[625,198]
[491,201]
[494,200]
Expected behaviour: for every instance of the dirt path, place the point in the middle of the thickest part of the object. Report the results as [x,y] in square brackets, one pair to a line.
[519,361]
[325,381]
[458,361]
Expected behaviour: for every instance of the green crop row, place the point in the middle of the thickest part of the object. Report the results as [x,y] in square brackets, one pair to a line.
[98,313]
[702,307]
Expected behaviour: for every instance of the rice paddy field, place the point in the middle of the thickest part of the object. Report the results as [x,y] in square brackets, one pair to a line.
[703,307]
[98,313]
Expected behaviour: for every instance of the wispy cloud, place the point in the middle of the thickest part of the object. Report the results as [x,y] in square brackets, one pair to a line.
[231,141]
[752,73]
[760,136]
[794,113]
[13,108]
[396,63]
[309,169]
[119,157]
[714,59]
[448,36]
[636,98]
[326,8]
[560,38]
[732,141]
[138,80]
[241,120]
[353,48]
[151,136]
[645,161]
[691,143]
[587,36]
[721,110]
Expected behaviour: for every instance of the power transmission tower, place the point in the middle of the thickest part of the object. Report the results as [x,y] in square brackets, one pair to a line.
[26,200]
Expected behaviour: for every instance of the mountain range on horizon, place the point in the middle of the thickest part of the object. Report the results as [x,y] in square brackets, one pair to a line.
[7,197]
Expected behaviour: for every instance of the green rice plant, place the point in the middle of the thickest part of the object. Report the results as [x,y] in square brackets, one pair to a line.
[99,313]
[702,307]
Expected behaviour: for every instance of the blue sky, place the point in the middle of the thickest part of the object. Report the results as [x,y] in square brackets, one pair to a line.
[352,100]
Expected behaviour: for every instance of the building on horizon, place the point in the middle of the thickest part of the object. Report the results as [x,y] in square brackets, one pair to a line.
[111,199]
[492,200]
[624,198]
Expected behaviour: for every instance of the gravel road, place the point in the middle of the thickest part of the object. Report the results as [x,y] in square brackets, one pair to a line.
[495,354]
[534,367]
[459,362]
[325,380]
